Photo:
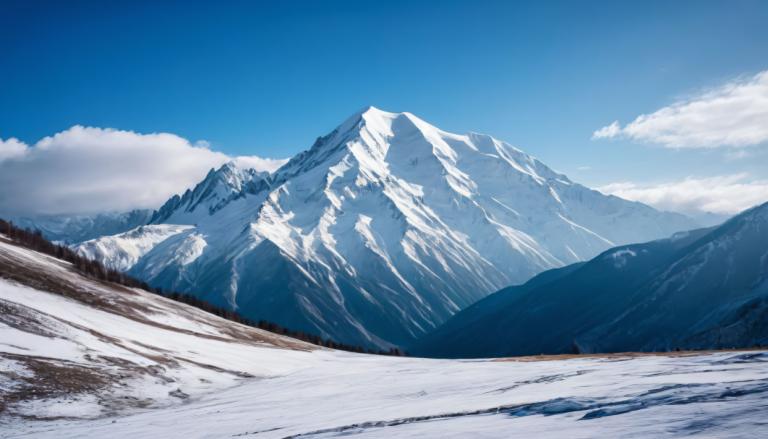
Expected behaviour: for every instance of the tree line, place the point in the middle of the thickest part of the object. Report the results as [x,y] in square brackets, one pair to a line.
[34,240]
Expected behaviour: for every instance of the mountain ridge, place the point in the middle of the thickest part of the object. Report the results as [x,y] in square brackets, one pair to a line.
[73,229]
[702,289]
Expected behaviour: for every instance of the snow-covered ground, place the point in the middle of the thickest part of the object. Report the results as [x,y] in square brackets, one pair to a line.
[719,395]
[76,347]
[80,359]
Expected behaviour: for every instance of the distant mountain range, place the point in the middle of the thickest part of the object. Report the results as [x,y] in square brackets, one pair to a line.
[378,233]
[704,289]
[73,229]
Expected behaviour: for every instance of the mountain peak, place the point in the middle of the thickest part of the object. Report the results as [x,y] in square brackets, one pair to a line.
[219,187]
[365,116]
[372,112]
[229,175]
[229,166]
[378,120]
[373,115]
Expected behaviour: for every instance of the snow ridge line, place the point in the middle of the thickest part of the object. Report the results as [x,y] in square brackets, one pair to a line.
[401,421]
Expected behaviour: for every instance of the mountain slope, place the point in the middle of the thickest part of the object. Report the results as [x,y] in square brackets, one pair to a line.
[82,358]
[704,289]
[75,346]
[383,229]
[122,251]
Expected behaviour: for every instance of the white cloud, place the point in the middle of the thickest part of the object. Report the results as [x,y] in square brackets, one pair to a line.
[608,131]
[732,115]
[11,148]
[87,170]
[724,195]
[259,163]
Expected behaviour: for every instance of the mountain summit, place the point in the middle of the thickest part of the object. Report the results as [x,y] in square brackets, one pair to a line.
[380,231]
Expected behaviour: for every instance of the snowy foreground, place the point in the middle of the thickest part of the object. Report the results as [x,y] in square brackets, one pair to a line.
[134,365]
[718,395]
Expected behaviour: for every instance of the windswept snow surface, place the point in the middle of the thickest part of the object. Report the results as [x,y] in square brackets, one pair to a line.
[85,359]
[719,395]
[385,228]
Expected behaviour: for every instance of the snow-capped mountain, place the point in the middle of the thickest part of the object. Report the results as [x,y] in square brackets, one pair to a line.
[381,230]
[72,229]
[704,289]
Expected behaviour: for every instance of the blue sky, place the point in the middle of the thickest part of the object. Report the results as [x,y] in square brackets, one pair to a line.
[266,78]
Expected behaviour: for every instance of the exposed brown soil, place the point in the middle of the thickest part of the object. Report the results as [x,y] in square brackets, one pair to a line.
[50,379]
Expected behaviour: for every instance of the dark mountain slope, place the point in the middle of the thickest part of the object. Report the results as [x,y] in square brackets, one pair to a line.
[702,289]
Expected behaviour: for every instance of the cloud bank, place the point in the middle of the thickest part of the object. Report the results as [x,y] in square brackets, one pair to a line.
[733,115]
[87,170]
[259,163]
[722,195]
[11,148]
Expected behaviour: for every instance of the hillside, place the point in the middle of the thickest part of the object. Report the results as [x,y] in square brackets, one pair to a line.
[69,343]
[704,289]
